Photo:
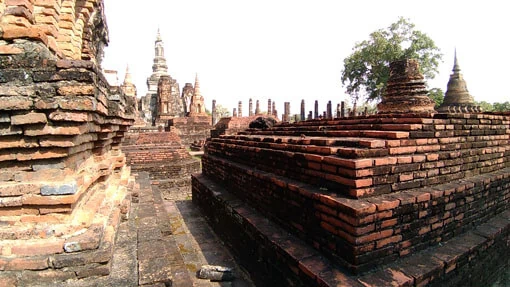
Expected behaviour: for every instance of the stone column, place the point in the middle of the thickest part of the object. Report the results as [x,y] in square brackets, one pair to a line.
[310,116]
[250,108]
[329,110]
[257,108]
[286,112]
[316,110]
[240,109]
[342,109]
[406,91]
[213,112]
[234,113]
[269,107]
[275,114]
[302,110]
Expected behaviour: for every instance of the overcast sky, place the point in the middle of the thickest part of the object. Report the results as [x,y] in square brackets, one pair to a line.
[289,50]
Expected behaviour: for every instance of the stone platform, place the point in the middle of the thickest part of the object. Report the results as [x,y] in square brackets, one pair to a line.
[366,191]
[279,258]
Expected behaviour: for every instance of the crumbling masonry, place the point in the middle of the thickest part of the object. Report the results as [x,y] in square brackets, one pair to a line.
[326,201]
[63,179]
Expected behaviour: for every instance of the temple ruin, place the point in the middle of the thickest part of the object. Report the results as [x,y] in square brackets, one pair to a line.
[64,182]
[89,175]
[406,197]
[457,97]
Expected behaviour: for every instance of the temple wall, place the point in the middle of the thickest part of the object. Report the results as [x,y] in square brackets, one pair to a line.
[365,191]
[162,155]
[63,179]
[377,155]
[191,129]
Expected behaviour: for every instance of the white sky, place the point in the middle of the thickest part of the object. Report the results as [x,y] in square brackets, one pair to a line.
[288,50]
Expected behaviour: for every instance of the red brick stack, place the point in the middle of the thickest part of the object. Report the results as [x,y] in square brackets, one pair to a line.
[165,158]
[63,178]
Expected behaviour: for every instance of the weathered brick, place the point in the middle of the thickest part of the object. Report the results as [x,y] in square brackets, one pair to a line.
[38,247]
[30,118]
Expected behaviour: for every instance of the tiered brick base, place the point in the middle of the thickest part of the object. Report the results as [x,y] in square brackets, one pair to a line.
[167,161]
[275,257]
[419,180]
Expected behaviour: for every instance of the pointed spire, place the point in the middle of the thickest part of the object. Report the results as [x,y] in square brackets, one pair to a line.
[159,65]
[197,86]
[127,78]
[158,37]
[456,67]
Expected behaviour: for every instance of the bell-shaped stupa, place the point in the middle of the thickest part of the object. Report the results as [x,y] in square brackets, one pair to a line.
[457,98]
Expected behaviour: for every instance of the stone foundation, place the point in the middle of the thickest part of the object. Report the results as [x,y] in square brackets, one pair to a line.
[366,191]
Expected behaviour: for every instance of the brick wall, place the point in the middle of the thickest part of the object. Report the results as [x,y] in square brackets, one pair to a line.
[367,190]
[63,178]
[191,129]
[370,156]
[162,155]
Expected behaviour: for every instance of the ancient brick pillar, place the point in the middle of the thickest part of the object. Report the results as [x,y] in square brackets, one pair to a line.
[250,108]
[234,113]
[274,111]
[338,110]
[329,110]
[257,108]
[214,112]
[269,107]
[286,112]
[302,110]
[342,109]
[240,109]
[316,110]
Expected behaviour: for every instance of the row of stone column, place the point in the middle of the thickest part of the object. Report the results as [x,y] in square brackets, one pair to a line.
[340,112]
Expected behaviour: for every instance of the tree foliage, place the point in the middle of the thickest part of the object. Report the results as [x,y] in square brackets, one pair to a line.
[495,107]
[222,112]
[501,107]
[437,95]
[366,70]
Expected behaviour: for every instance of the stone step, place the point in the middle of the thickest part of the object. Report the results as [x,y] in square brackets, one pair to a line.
[281,259]
[277,142]
[332,133]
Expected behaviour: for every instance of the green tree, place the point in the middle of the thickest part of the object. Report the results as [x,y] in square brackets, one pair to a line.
[437,95]
[366,70]
[501,107]
[222,112]
[486,107]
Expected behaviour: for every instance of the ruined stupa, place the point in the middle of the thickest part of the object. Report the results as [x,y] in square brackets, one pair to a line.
[457,96]
[406,91]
